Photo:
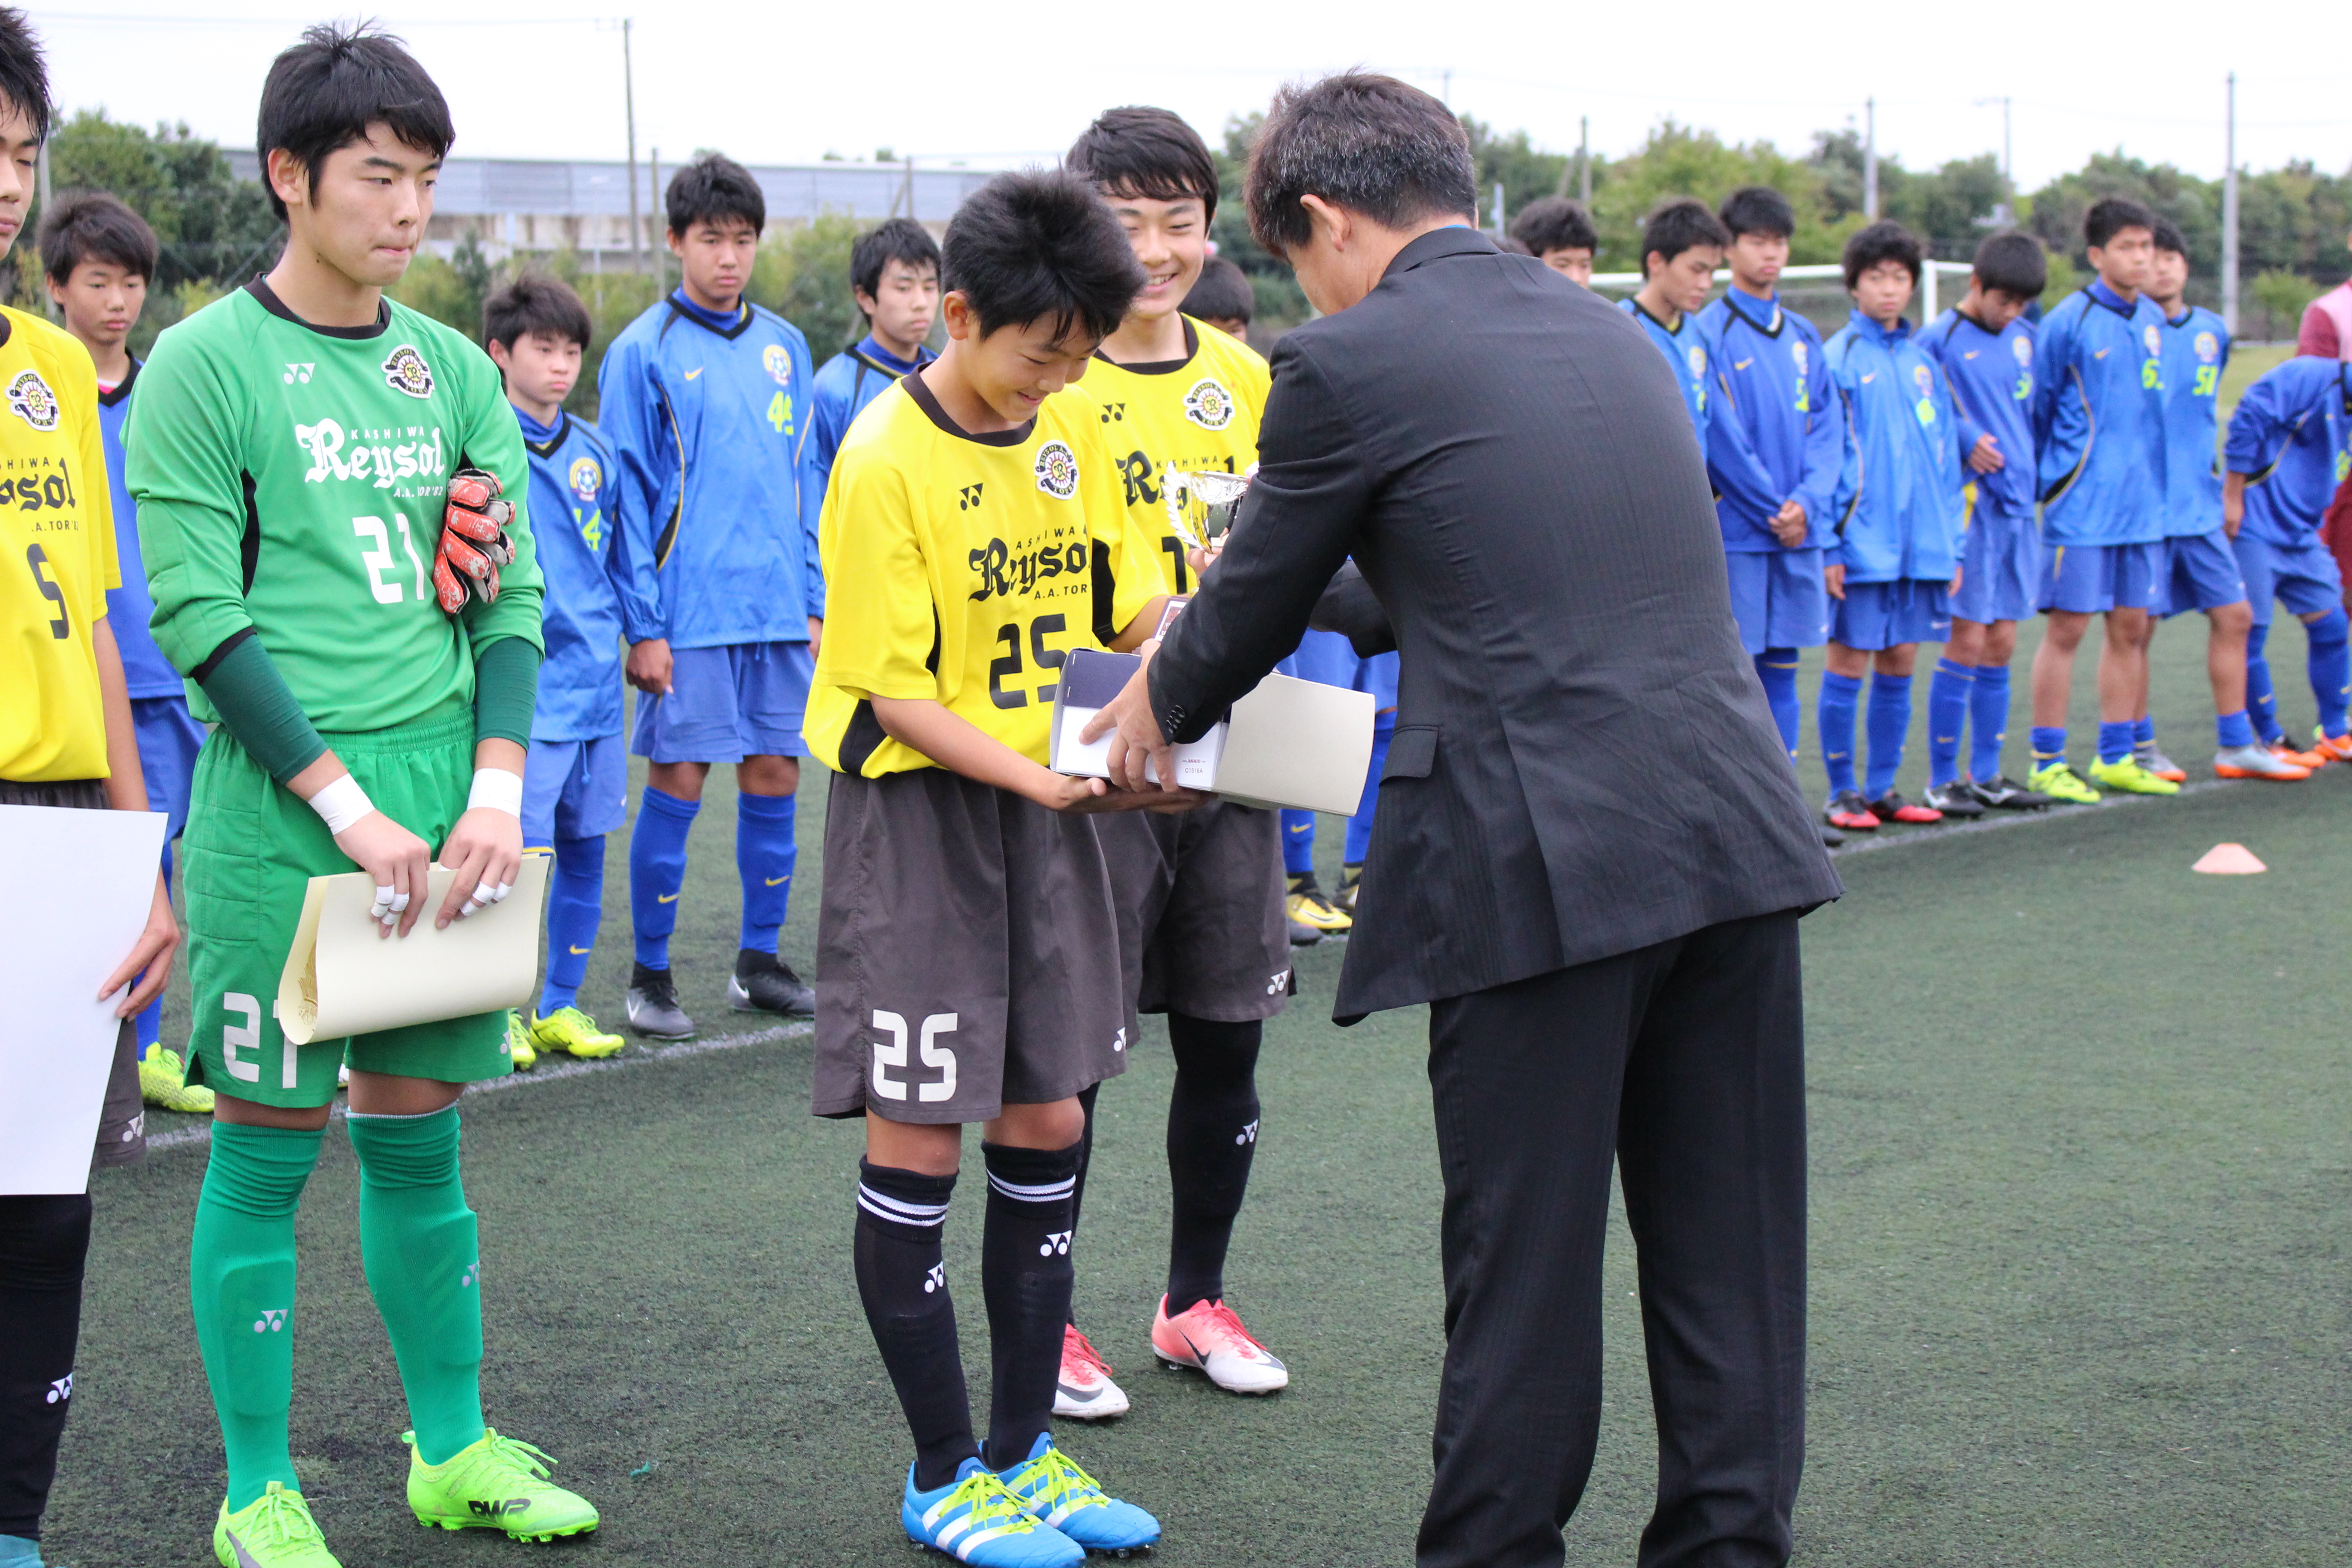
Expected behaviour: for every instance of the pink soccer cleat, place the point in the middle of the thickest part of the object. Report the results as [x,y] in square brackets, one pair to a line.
[1083,1391]
[1207,1337]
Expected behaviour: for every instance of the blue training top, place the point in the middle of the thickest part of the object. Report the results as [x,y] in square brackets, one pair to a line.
[571,475]
[145,672]
[1777,431]
[2098,419]
[2196,353]
[714,513]
[846,383]
[1899,508]
[2291,435]
[1991,377]
[1690,351]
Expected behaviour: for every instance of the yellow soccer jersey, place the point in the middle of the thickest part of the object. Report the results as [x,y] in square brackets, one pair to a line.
[56,555]
[1197,413]
[963,568]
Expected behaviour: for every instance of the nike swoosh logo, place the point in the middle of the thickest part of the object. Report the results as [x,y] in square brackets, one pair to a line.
[777,881]
[2100,355]
[244,1559]
[1970,353]
[1871,377]
[582,951]
[694,371]
[666,897]
[1743,365]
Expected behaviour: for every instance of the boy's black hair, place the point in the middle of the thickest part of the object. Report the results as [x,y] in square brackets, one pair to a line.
[712,189]
[23,70]
[1680,225]
[322,94]
[92,225]
[1041,247]
[1554,223]
[2168,237]
[1370,143]
[1882,242]
[1143,152]
[2110,215]
[892,239]
[2014,263]
[1757,209]
[1222,293]
[535,301]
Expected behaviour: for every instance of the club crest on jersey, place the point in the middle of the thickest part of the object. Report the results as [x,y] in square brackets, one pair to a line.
[1797,353]
[1923,378]
[1057,470]
[1209,404]
[404,369]
[2154,338]
[30,399]
[778,363]
[2022,347]
[587,479]
[2207,347]
[1697,359]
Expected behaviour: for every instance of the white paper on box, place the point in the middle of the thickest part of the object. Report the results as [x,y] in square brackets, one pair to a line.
[1090,678]
[342,978]
[79,884]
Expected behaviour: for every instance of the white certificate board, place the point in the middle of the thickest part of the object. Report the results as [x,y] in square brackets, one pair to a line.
[342,978]
[78,885]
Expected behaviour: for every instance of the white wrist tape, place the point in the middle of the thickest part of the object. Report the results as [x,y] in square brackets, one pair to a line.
[341,803]
[497,789]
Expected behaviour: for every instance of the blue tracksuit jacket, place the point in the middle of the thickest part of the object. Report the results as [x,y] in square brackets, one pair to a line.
[1690,351]
[2098,419]
[571,477]
[2291,435]
[1991,377]
[2196,353]
[1777,430]
[1899,501]
[145,672]
[846,383]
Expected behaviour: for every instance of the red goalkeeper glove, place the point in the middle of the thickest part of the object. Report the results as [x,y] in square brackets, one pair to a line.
[474,543]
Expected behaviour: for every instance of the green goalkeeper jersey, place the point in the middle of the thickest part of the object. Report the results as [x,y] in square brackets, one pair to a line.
[290,479]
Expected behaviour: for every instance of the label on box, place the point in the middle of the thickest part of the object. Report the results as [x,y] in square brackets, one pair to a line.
[1091,680]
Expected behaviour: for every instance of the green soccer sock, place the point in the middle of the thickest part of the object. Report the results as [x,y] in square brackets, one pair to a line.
[424,1267]
[241,1286]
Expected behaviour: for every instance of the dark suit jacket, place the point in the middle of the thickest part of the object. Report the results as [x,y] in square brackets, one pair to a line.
[1583,762]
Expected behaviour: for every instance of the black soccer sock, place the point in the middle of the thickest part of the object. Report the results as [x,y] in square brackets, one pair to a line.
[43,1241]
[1086,1158]
[1212,1117]
[903,1287]
[1024,1268]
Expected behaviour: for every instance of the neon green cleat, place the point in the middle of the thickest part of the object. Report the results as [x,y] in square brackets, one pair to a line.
[569,1029]
[2128,777]
[495,1483]
[164,1084]
[274,1530]
[2062,784]
[519,1046]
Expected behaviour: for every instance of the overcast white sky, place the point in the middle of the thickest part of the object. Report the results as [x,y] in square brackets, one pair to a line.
[1010,82]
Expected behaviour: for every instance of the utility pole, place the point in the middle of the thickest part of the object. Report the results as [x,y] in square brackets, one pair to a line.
[1499,209]
[1446,76]
[2230,208]
[1870,159]
[653,178]
[42,170]
[2006,212]
[629,95]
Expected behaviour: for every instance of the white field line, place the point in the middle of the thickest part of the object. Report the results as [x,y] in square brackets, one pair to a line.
[1994,821]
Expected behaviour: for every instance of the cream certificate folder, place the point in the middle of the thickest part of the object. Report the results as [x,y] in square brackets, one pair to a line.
[342,978]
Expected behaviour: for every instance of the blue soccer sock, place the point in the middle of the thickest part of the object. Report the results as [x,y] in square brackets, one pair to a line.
[2144,732]
[658,871]
[1988,721]
[2233,730]
[1297,842]
[575,908]
[1833,716]
[2331,667]
[1777,668]
[2115,741]
[1359,826]
[765,853]
[2049,745]
[1947,715]
[2262,703]
[1890,722]
[151,1017]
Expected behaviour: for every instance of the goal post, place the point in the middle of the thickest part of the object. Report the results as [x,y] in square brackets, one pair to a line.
[1817,290]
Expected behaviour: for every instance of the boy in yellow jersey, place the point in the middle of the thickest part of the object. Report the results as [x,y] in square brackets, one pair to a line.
[967,945]
[1203,932]
[67,739]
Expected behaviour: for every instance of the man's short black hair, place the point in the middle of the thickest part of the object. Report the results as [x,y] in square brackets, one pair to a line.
[892,239]
[1222,293]
[92,225]
[713,189]
[1138,150]
[535,302]
[2168,237]
[23,70]
[1879,243]
[1041,247]
[2014,263]
[1680,225]
[2110,215]
[1369,143]
[1757,209]
[1554,223]
[322,94]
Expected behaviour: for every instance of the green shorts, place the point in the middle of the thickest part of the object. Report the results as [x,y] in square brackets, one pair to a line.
[250,851]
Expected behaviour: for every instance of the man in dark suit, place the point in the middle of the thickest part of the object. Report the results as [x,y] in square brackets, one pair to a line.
[1590,854]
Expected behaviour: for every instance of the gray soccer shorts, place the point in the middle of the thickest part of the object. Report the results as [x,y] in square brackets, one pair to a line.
[967,953]
[1201,926]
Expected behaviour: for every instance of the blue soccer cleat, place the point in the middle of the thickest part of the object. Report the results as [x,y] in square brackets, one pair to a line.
[976,1519]
[1058,1494]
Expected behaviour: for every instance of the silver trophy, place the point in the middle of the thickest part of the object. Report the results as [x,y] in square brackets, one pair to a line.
[1201,505]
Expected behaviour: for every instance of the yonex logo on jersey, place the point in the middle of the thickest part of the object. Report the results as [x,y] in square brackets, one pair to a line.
[471,1277]
[1118,1041]
[272,1320]
[300,373]
[586,479]
[968,496]
[404,369]
[1248,1134]
[1113,412]
[30,399]
[778,363]
[1209,404]
[386,463]
[1277,983]
[1056,1241]
[60,1390]
[1057,470]
[936,1278]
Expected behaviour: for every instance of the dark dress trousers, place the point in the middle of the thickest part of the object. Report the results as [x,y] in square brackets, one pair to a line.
[1589,856]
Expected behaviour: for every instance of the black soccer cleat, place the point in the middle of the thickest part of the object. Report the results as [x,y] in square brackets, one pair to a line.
[1831,837]
[1954,801]
[653,1005]
[763,983]
[2006,794]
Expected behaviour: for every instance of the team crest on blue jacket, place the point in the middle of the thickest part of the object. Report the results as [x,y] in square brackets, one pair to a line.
[2207,347]
[586,479]
[2153,338]
[1697,359]
[30,399]
[1057,470]
[404,369]
[1209,404]
[2022,347]
[778,362]
[1797,353]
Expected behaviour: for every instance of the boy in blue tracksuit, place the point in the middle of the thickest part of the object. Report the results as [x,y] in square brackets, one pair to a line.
[1898,526]
[1775,440]
[575,776]
[1682,245]
[705,398]
[2290,448]
[1329,658]
[1985,347]
[2098,422]
[893,276]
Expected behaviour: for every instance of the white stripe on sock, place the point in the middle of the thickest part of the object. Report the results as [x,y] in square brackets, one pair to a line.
[1044,1193]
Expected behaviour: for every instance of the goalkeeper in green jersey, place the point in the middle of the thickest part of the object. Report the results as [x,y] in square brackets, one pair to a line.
[317,473]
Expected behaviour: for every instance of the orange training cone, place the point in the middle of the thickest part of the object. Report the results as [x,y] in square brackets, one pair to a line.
[2229,860]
